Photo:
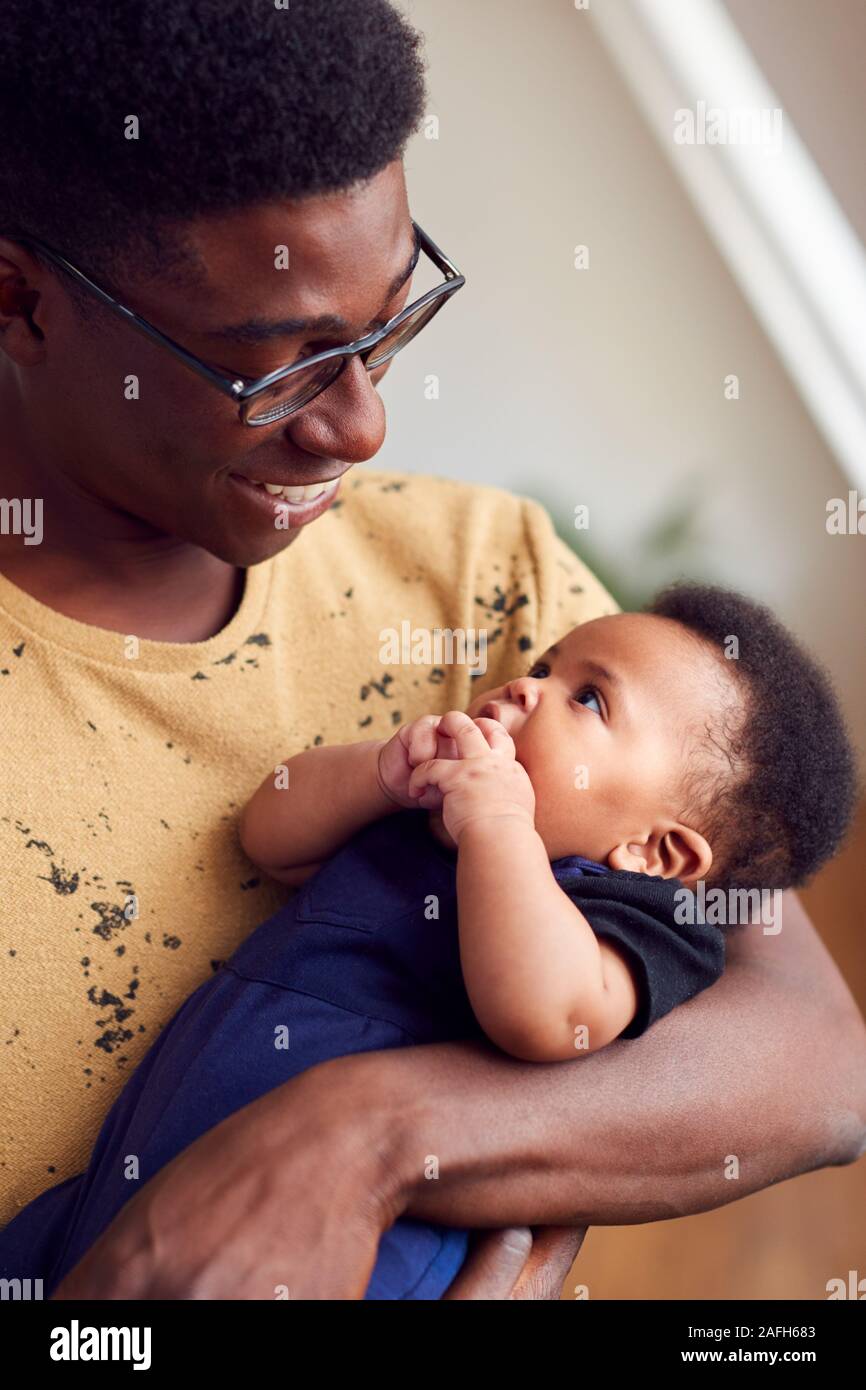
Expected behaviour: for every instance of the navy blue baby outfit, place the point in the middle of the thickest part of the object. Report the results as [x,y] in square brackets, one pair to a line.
[365,956]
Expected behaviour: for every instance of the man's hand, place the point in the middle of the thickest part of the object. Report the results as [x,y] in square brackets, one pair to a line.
[286,1198]
[289,1197]
[518,1263]
[484,782]
[295,1189]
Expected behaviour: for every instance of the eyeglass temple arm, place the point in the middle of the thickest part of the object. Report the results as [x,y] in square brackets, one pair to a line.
[218,379]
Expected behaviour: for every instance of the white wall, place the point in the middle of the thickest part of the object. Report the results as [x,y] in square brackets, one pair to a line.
[605,386]
[814,57]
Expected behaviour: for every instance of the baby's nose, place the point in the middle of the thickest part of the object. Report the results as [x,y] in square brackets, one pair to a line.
[524,692]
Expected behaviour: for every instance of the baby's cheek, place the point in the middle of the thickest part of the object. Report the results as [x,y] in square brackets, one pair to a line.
[578,796]
[551,783]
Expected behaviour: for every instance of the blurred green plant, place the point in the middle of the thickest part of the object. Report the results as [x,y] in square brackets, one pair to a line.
[671,546]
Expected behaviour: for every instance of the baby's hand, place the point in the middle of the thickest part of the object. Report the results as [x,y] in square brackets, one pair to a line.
[412,744]
[484,782]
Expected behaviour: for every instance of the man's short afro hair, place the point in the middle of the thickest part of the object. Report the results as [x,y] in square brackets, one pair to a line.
[784,786]
[238,102]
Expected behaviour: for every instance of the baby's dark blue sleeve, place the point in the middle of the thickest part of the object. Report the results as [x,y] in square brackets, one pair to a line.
[672,959]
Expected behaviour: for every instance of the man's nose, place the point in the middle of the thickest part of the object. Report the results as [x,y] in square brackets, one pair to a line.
[346,422]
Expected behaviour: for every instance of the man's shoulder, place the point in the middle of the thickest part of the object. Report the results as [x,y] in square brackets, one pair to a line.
[445,553]
[455,520]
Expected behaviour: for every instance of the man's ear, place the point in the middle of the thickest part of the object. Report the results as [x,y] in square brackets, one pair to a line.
[22,337]
[675,851]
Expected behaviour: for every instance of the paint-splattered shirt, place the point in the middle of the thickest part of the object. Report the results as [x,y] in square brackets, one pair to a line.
[123,883]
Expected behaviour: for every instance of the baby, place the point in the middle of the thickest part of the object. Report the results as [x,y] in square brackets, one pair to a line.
[512,872]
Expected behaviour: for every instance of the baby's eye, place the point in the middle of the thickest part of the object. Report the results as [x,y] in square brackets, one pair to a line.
[589,698]
[539,670]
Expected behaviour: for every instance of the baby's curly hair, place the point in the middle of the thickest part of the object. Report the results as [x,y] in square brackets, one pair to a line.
[778,793]
[238,102]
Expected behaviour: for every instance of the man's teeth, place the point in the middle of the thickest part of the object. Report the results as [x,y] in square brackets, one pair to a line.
[295,494]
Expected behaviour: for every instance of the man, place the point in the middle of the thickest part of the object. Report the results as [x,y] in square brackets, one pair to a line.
[231,174]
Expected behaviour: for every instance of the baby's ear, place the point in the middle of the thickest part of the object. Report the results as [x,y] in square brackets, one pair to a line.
[684,854]
[629,858]
[673,851]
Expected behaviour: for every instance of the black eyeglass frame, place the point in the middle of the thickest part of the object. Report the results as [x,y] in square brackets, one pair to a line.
[241,389]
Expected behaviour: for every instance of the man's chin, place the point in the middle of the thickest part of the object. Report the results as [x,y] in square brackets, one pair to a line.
[245,551]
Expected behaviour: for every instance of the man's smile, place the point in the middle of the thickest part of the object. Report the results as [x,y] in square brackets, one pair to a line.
[296,503]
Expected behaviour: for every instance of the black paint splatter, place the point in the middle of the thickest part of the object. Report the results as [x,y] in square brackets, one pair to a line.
[61,883]
[111,920]
[380,686]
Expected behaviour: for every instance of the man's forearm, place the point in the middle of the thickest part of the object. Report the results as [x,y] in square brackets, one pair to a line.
[317,1168]
[642,1130]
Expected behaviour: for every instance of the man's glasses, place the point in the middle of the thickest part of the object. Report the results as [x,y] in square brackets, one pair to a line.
[272,397]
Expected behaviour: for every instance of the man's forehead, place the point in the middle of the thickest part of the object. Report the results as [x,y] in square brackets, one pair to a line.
[257,329]
[228,275]
[269,270]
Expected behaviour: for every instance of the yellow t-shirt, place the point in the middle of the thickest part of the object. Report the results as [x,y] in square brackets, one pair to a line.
[123,884]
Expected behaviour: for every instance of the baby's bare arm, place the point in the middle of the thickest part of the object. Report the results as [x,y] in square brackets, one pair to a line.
[311,805]
[536,973]
[314,802]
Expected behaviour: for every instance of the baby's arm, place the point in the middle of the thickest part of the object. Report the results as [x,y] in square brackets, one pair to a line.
[541,984]
[313,803]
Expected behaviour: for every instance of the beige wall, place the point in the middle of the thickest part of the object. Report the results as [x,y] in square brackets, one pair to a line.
[813,55]
[605,386]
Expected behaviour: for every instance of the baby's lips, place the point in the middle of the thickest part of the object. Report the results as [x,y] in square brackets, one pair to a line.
[492,710]
[500,714]
[500,710]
